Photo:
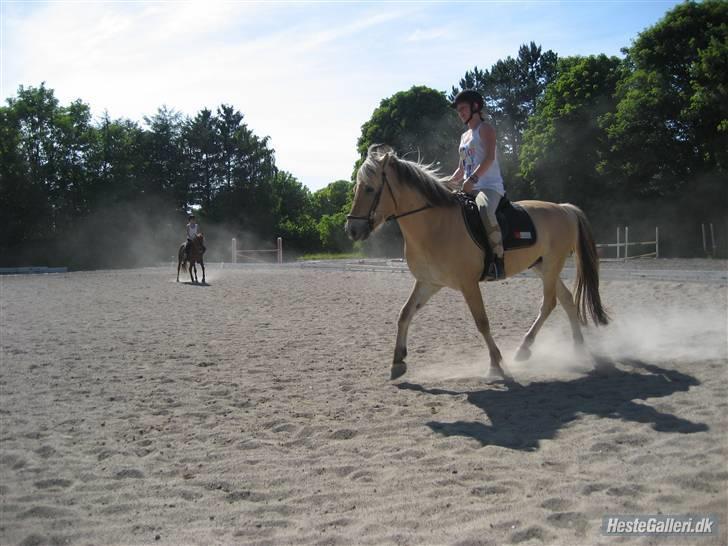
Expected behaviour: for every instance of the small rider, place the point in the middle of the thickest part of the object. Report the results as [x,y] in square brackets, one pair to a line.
[193,230]
[478,173]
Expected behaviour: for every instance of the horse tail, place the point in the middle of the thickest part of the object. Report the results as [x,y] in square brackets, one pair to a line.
[181,257]
[586,295]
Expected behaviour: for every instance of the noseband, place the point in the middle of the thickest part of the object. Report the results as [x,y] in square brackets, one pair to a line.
[375,203]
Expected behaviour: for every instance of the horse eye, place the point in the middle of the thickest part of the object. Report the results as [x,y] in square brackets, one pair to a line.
[368,189]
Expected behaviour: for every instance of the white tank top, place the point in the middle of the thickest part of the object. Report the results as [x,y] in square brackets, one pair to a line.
[472,154]
[191,231]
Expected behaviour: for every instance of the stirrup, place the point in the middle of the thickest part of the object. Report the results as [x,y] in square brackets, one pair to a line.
[496,270]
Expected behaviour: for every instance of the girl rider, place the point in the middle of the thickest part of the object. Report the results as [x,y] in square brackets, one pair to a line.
[478,173]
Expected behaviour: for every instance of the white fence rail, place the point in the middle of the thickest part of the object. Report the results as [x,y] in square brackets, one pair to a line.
[623,247]
[255,254]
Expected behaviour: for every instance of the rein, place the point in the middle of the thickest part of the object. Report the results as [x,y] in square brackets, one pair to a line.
[375,203]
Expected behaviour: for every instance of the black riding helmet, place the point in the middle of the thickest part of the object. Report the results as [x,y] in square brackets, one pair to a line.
[472,97]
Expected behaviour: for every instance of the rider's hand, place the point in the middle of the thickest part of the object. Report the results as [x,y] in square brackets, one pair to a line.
[468,185]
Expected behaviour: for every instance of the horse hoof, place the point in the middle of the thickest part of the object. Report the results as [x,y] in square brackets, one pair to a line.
[523,354]
[398,370]
[499,376]
[494,375]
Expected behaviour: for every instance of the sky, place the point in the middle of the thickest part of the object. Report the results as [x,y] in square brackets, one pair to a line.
[306,74]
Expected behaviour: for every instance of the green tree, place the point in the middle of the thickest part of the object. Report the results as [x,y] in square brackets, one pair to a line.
[201,147]
[331,233]
[565,146]
[52,143]
[247,169]
[25,206]
[671,123]
[334,198]
[331,205]
[164,169]
[116,163]
[417,123]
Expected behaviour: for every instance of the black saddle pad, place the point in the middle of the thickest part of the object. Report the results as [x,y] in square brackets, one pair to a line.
[516,225]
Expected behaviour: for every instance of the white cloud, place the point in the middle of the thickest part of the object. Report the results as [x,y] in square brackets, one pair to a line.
[131,60]
[423,35]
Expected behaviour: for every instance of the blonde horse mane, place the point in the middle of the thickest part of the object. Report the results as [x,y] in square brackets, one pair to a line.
[424,178]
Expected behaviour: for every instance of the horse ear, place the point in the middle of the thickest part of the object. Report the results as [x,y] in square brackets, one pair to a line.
[388,158]
[377,151]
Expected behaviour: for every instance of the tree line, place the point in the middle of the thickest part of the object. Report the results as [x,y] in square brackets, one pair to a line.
[640,140]
[101,193]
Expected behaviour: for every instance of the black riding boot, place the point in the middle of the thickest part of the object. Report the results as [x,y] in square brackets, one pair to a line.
[496,269]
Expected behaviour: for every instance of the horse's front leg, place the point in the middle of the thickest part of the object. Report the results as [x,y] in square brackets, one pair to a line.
[474,299]
[548,270]
[202,265]
[192,268]
[421,293]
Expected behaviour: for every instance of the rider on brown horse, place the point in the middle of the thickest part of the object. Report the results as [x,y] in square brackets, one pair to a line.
[193,229]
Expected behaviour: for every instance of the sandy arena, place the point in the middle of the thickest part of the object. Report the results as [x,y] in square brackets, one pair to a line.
[258,410]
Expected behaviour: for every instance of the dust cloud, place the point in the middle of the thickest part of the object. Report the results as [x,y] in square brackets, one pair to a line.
[654,335]
[146,233]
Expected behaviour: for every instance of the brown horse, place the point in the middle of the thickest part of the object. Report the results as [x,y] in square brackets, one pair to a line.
[195,256]
[440,252]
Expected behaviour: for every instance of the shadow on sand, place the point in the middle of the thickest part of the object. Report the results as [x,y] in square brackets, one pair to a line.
[190,283]
[521,416]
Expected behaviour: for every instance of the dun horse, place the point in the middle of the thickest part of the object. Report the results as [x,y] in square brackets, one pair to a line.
[195,256]
[440,252]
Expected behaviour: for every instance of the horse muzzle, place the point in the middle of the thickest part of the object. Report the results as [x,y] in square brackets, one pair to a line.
[357,229]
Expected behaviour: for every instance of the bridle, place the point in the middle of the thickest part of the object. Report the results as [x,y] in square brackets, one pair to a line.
[375,203]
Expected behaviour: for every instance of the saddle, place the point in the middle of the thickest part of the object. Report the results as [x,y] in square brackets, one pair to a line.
[516,226]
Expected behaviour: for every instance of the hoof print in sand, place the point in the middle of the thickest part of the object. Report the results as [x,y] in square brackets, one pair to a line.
[343,434]
[129,473]
[556,504]
[46,512]
[53,483]
[569,520]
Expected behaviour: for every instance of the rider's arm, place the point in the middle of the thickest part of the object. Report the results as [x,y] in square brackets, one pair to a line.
[456,178]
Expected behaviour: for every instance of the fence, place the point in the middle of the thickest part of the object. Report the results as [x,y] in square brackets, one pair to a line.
[623,248]
[712,250]
[254,254]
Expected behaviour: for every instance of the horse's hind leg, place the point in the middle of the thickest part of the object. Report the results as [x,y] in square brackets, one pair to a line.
[567,302]
[421,293]
[474,299]
[549,272]
[179,264]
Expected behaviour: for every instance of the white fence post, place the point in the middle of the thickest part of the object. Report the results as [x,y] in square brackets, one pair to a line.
[657,242]
[279,245]
[235,251]
[712,240]
[618,253]
[626,242]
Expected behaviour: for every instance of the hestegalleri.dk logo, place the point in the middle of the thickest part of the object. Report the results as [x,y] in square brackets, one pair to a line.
[660,525]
